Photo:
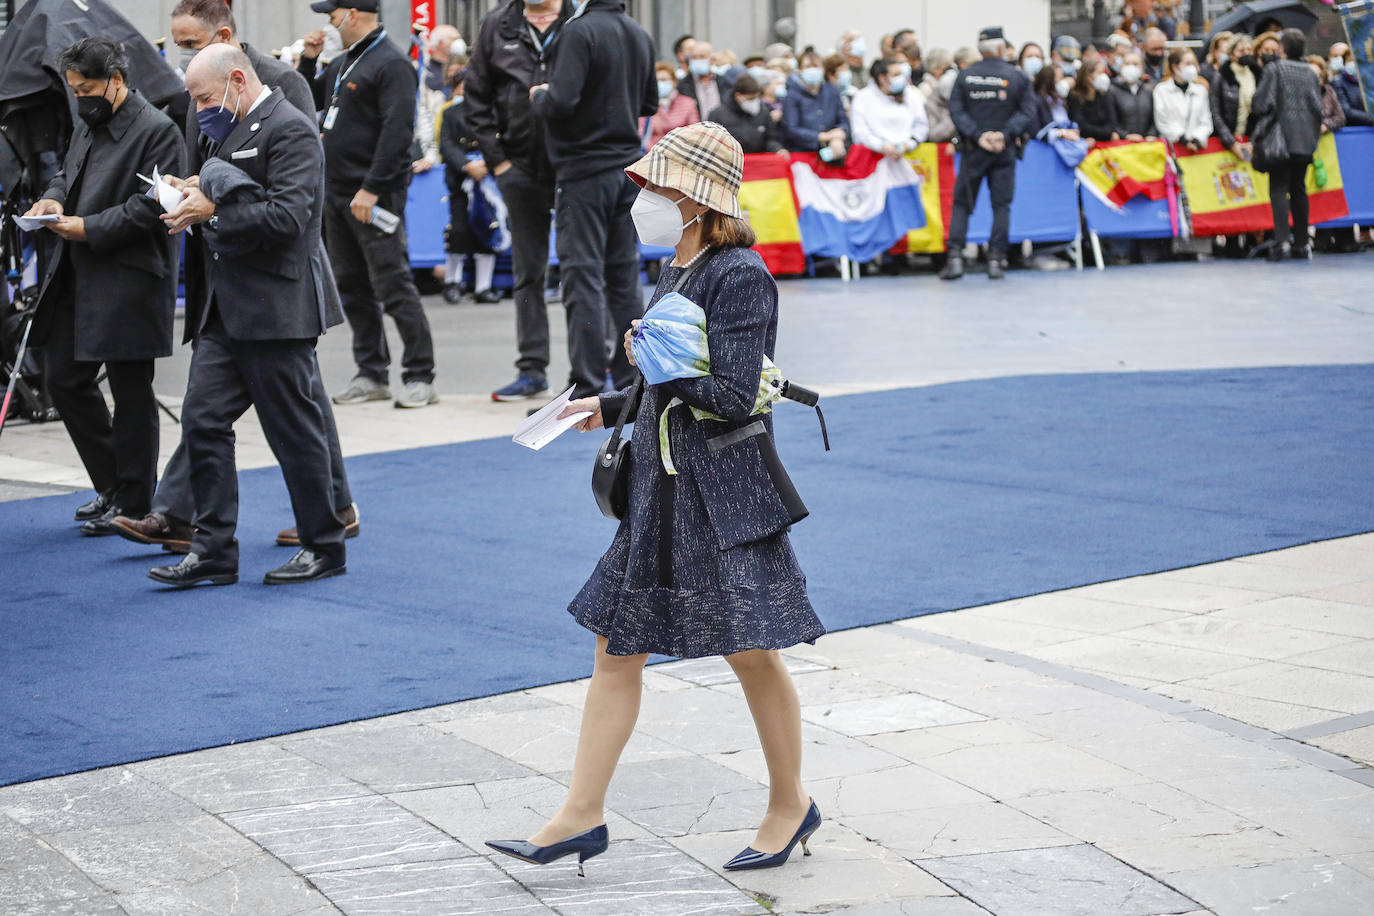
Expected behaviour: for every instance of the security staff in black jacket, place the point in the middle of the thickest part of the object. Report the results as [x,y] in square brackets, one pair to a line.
[110,290]
[197,24]
[259,200]
[513,52]
[367,96]
[991,106]
[602,83]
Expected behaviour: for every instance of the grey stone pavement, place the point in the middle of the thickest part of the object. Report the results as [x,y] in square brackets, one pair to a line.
[1197,741]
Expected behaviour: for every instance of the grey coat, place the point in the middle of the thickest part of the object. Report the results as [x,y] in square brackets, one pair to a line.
[124,276]
[1289,99]
[701,563]
[266,270]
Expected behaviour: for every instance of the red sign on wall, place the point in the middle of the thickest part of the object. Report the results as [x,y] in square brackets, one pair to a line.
[422,15]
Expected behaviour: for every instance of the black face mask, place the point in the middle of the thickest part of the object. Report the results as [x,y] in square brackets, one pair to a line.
[1154,60]
[1247,60]
[95,110]
[917,74]
[1269,58]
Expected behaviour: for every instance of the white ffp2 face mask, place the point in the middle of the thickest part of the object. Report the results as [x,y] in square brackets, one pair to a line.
[658,220]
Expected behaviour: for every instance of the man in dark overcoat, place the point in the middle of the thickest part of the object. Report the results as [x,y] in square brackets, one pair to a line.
[110,289]
[197,24]
[258,199]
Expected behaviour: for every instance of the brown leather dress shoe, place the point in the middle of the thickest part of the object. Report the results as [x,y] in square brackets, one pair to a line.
[290,537]
[155,528]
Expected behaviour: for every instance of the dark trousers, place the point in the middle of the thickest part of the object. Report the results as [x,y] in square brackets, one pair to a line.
[276,377]
[372,271]
[119,452]
[529,204]
[174,496]
[1288,190]
[598,257]
[1000,171]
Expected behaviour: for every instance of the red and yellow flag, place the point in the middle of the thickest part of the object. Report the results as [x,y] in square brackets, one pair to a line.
[1117,171]
[934,163]
[1227,196]
[770,204]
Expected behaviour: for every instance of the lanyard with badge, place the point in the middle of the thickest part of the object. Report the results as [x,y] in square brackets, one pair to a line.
[333,113]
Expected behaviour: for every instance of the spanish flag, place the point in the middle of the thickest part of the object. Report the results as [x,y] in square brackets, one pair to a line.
[934,163]
[770,204]
[1227,196]
[1118,171]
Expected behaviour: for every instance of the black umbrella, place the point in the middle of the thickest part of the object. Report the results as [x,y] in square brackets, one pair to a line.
[1247,17]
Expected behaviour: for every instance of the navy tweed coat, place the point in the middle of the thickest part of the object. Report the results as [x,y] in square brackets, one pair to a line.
[719,576]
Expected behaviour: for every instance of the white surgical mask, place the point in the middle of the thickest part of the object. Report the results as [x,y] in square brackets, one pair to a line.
[750,106]
[665,88]
[1062,87]
[1337,64]
[1070,67]
[812,76]
[947,82]
[760,74]
[721,70]
[780,93]
[844,79]
[658,220]
[857,48]
[1102,82]
[1187,73]
[906,70]
[459,47]
[1032,66]
[898,85]
[1131,73]
[1350,67]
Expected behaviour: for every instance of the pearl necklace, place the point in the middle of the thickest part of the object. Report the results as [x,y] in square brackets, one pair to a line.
[696,257]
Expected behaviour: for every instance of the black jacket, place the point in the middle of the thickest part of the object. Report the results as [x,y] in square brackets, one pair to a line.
[1225,99]
[756,133]
[506,61]
[688,86]
[1132,112]
[1289,98]
[602,83]
[369,145]
[267,270]
[124,276]
[456,140]
[1096,117]
[992,95]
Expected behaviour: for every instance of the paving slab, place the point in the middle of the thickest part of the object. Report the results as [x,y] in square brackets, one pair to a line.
[451,887]
[1315,886]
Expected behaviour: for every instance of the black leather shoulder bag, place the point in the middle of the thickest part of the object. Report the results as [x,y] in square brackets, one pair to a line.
[611,472]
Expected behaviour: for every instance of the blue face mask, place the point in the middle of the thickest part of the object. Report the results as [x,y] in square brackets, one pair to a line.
[665,88]
[218,123]
[898,84]
[857,48]
[760,74]
[699,67]
[812,76]
[844,79]
[780,93]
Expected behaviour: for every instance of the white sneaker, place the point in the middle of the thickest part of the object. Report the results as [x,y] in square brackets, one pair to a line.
[417,394]
[362,389]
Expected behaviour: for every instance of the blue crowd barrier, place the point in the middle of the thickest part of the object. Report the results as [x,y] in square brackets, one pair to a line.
[1355,150]
[1045,208]
[1139,218]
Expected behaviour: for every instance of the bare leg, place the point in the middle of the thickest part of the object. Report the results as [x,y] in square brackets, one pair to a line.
[608,719]
[777,715]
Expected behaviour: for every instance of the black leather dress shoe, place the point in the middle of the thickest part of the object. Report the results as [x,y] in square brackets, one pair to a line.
[94,509]
[305,566]
[100,527]
[192,570]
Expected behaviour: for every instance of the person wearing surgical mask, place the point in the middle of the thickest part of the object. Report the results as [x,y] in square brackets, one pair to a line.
[1216,55]
[936,89]
[744,116]
[854,50]
[1133,104]
[1031,60]
[813,111]
[701,84]
[444,41]
[1090,105]
[1183,112]
[1050,105]
[725,65]
[1345,80]
[674,109]
[889,115]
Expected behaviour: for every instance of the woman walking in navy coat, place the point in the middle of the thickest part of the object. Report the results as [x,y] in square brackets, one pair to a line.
[701,564]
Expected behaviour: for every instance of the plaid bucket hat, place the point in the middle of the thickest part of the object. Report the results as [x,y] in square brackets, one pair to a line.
[701,160]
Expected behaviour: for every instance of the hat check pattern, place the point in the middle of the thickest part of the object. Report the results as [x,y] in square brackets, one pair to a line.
[701,160]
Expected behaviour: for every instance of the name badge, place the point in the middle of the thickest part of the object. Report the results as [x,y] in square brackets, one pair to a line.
[329,117]
[244,153]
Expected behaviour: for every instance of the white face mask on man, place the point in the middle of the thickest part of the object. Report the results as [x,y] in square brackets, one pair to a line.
[658,220]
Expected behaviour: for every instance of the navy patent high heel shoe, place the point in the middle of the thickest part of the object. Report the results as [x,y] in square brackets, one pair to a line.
[752,858]
[584,845]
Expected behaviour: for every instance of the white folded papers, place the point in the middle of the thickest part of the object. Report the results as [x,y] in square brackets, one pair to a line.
[31,223]
[162,191]
[543,426]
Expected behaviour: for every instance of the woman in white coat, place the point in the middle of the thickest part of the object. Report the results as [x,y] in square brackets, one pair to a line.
[889,115]
[1183,106]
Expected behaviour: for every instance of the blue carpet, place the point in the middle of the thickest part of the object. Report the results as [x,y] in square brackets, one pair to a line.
[933,499]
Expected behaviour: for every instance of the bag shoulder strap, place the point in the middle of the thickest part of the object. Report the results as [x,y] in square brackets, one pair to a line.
[638,390]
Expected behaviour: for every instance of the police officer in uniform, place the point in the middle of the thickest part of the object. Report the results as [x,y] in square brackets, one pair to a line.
[992,105]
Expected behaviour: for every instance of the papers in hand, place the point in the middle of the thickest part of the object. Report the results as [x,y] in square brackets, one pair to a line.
[543,426]
[168,197]
[32,223]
